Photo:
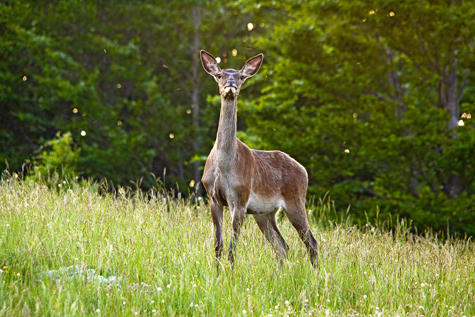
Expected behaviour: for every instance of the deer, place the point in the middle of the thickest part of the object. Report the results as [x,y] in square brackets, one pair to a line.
[247,181]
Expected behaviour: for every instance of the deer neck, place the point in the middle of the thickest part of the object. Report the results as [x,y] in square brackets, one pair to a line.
[226,136]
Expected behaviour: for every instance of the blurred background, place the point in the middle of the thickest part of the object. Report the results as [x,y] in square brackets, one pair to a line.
[375,98]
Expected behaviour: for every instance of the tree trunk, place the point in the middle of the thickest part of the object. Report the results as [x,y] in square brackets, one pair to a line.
[451,96]
[395,83]
[197,144]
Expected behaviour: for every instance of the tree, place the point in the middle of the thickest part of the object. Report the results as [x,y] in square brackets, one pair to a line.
[367,96]
[131,94]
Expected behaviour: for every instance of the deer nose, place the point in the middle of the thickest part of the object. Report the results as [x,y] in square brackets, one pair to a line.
[230,82]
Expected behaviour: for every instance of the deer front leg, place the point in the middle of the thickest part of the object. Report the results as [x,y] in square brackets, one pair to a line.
[238,219]
[217,215]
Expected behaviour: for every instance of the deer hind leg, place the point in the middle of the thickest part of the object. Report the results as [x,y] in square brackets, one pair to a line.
[238,215]
[298,217]
[268,226]
[217,215]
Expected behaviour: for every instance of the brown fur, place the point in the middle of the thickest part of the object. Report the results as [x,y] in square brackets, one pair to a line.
[251,181]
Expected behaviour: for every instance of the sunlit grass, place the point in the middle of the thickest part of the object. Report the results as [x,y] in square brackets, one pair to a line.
[162,249]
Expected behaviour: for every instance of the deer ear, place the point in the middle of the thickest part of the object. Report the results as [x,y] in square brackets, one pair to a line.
[209,63]
[252,65]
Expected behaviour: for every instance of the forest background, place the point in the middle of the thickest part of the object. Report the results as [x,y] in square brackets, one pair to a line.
[373,97]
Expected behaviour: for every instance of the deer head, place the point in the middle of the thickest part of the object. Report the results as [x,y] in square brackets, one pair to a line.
[230,80]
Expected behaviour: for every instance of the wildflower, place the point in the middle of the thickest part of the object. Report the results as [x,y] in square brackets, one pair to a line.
[159,289]
[287,303]
[365,297]
[169,285]
[123,302]
[421,308]
[244,312]
[191,305]
[98,311]
[154,311]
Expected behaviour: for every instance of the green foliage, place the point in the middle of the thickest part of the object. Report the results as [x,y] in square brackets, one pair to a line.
[62,159]
[161,250]
[365,95]
[132,94]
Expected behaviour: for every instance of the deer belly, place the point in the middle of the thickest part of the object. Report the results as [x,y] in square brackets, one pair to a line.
[262,205]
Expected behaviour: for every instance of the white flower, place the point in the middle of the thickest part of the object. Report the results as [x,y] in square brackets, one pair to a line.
[365,297]
[98,311]
[421,308]
[244,312]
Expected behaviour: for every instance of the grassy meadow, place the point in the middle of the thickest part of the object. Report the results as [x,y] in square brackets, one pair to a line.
[161,252]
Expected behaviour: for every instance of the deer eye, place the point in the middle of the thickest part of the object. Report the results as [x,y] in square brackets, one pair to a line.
[242,77]
[219,76]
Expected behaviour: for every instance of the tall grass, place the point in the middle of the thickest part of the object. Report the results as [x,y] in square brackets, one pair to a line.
[162,251]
